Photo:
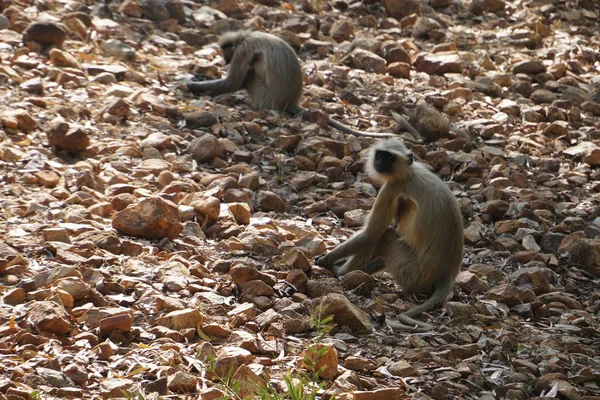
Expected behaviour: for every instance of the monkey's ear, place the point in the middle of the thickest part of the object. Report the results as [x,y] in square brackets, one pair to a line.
[409,158]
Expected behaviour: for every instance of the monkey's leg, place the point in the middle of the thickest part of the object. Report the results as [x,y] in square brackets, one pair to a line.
[402,263]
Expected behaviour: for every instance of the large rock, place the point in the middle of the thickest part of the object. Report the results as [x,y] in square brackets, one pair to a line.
[439,63]
[344,312]
[45,33]
[72,140]
[152,218]
[586,254]
[401,8]
[49,316]
[205,148]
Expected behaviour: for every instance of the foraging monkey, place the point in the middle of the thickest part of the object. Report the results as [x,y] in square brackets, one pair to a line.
[267,67]
[424,252]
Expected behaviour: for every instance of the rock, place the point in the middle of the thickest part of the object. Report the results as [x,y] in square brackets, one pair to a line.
[455,308]
[182,382]
[207,206]
[386,393]
[154,10]
[118,49]
[587,151]
[355,218]
[114,388]
[248,382]
[341,30]
[585,253]
[321,359]
[54,378]
[401,8]
[50,317]
[115,106]
[439,63]
[4,23]
[471,283]
[368,61]
[152,218]
[205,148]
[429,122]
[268,201]
[297,259]
[322,146]
[496,208]
[18,119]
[181,319]
[509,295]
[45,32]
[72,140]
[344,312]
[33,85]
[393,52]
[77,24]
[359,364]
[230,359]
[256,288]
[115,323]
[354,279]
[176,10]
[61,58]
[241,212]
[340,205]
[542,96]
[576,95]
[532,278]
[424,27]
[530,67]
[243,273]
[399,70]
[403,369]
[14,296]
[130,8]
[530,244]
[199,119]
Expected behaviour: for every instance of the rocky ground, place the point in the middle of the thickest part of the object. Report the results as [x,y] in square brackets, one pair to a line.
[156,245]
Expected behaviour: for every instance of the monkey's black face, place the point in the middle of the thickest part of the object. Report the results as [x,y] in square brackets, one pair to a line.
[384,162]
[227,49]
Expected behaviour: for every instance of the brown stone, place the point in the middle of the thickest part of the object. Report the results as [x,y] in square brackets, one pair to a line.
[152,218]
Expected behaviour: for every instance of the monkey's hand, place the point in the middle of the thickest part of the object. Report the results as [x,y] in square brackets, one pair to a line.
[323,261]
[198,88]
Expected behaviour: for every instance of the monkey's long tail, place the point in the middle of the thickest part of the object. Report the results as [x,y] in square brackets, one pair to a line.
[298,109]
[346,129]
[407,126]
[408,323]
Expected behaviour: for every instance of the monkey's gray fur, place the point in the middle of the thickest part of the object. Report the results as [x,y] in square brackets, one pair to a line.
[267,67]
[424,253]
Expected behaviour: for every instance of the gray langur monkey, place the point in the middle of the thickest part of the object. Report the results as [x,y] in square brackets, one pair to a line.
[267,67]
[424,251]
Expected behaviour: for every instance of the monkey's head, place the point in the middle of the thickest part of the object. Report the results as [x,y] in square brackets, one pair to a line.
[389,160]
[229,42]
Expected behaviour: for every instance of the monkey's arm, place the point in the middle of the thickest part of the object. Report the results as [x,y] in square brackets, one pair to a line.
[236,75]
[378,222]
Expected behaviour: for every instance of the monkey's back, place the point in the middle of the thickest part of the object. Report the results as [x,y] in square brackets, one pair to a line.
[278,69]
[438,226]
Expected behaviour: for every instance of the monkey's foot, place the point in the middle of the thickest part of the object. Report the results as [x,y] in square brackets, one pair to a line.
[409,324]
